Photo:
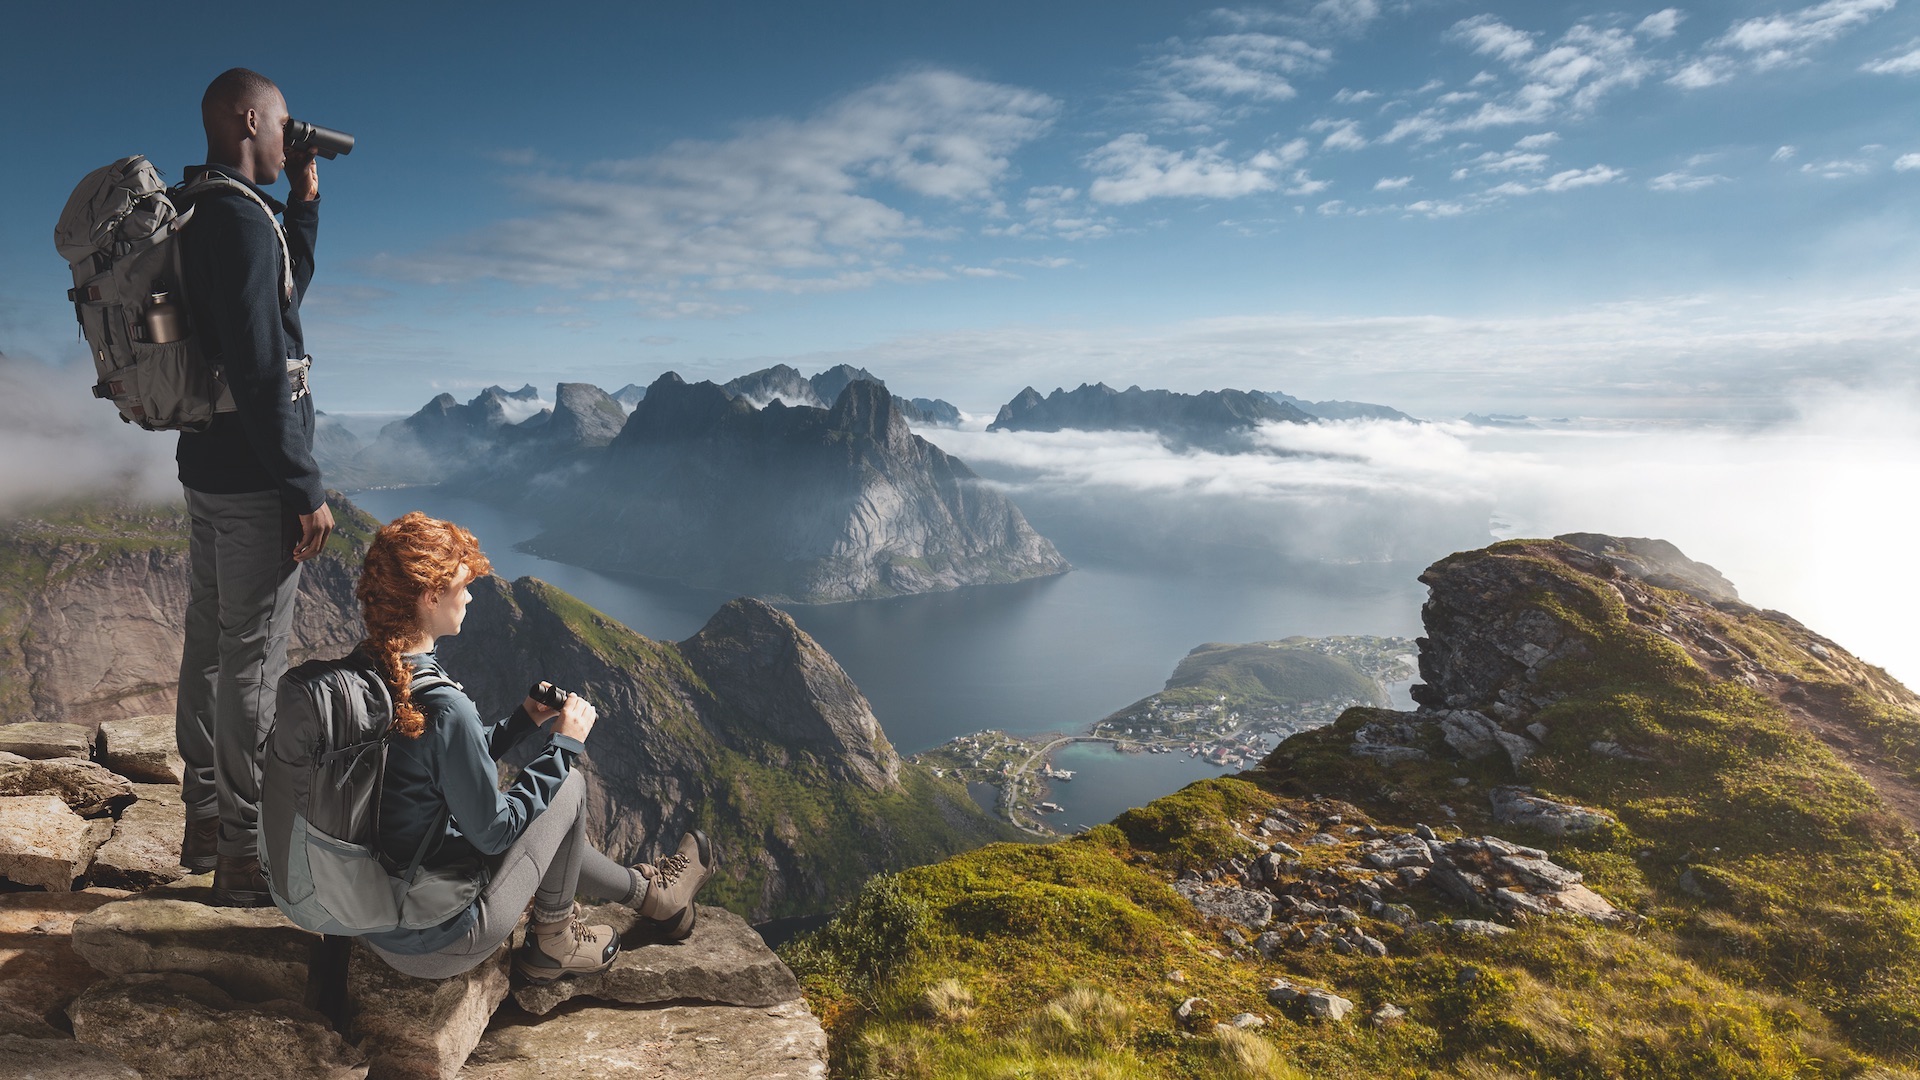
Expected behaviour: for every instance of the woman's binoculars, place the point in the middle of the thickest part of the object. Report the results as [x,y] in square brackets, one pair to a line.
[326,142]
[548,694]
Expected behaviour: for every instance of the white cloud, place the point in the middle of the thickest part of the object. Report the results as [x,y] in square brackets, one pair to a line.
[1353,97]
[1538,141]
[1341,134]
[1785,153]
[1437,208]
[1906,163]
[1055,211]
[57,443]
[786,205]
[1661,24]
[1703,72]
[1331,207]
[1488,36]
[1131,170]
[1906,63]
[1838,168]
[1196,84]
[1685,181]
[1570,77]
[1392,183]
[1773,40]
[1509,161]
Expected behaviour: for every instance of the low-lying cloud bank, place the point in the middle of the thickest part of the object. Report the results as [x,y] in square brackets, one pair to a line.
[1812,516]
[57,441]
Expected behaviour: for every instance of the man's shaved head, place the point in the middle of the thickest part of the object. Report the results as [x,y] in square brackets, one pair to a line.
[235,90]
[245,117]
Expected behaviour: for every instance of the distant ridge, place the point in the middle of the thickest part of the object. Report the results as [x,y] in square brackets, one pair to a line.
[1217,419]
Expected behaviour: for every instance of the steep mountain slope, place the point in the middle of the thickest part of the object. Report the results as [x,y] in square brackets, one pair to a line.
[93,601]
[748,730]
[1633,830]
[822,390]
[1339,410]
[787,502]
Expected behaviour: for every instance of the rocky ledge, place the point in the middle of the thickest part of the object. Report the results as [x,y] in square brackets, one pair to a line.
[152,980]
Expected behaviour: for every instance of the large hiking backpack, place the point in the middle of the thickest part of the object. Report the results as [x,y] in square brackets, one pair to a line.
[120,235]
[321,778]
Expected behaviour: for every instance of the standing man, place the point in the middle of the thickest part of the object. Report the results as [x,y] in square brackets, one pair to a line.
[253,491]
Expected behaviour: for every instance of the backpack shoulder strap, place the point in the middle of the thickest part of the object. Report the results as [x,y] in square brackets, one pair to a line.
[209,181]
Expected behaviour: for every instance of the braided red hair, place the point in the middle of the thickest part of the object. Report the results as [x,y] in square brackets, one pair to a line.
[411,557]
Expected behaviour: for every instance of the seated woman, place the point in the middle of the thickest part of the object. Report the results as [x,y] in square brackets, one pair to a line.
[527,843]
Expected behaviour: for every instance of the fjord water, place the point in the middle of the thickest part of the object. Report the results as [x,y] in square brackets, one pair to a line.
[1051,655]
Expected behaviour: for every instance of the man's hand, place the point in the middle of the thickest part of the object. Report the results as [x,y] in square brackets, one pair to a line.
[314,530]
[303,175]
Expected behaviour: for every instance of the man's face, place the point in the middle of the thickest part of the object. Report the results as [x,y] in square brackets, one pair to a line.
[271,118]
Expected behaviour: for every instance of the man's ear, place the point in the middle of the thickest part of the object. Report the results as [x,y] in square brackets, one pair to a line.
[253,123]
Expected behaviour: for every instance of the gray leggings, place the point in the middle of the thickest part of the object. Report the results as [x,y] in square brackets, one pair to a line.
[550,864]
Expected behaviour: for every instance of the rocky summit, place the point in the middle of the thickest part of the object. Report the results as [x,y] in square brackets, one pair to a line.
[786,502]
[1635,827]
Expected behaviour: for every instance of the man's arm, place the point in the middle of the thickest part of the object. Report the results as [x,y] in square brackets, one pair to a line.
[302,218]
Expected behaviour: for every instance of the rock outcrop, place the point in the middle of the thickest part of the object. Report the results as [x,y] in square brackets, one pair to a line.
[793,502]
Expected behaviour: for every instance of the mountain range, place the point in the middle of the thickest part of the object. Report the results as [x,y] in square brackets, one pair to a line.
[1220,420]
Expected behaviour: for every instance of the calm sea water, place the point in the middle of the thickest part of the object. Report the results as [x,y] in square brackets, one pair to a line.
[1042,656]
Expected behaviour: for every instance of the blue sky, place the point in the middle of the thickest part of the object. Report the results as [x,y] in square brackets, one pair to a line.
[1549,208]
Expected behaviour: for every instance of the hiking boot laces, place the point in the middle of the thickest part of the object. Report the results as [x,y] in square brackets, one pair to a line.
[668,870]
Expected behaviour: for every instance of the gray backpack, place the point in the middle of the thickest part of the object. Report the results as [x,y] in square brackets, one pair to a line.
[120,233]
[322,772]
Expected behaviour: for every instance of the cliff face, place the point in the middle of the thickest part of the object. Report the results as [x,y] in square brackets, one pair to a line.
[748,730]
[816,505]
[822,390]
[93,603]
[1218,419]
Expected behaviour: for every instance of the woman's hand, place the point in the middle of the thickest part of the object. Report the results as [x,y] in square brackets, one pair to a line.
[539,711]
[576,718]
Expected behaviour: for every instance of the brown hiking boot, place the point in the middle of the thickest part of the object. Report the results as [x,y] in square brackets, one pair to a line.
[568,947]
[672,882]
[238,882]
[197,846]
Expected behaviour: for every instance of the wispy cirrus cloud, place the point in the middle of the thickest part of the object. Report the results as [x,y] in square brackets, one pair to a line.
[1130,169]
[1772,41]
[786,205]
[1906,62]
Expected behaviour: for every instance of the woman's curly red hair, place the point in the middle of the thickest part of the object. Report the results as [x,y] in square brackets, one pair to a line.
[411,557]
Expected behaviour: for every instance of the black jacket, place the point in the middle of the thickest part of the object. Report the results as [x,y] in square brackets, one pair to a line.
[231,260]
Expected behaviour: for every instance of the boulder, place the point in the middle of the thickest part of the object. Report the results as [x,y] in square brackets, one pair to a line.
[1470,734]
[251,953]
[412,1027]
[689,1042]
[169,1025]
[141,748]
[88,789]
[724,961]
[43,842]
[144,850]
[39,974]
[59,1059]
[1518,806]
[38,740]
[1327,1005]
[1250,909]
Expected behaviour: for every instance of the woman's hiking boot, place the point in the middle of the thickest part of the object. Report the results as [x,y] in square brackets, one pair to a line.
[567,947]
[672,883]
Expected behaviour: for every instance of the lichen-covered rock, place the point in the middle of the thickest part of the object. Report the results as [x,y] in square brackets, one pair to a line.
[40,740]
[724,961]
[44,843]
[59,1059]
[141,748]
[1250,909]
[1518,806]
[251,953]
[88,789]
[144,850]
[686,1042]
[169,1025]
[413,1028]
[1327,1005]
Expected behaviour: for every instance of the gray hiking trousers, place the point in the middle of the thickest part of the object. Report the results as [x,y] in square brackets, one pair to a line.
[239,614]
[550,864]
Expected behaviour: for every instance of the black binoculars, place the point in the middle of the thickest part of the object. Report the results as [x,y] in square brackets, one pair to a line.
[326,142]
[548,694]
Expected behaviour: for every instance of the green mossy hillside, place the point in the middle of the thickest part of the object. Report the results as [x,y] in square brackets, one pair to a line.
[1769,885]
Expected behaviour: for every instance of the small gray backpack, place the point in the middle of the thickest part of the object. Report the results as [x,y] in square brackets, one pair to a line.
[120,233]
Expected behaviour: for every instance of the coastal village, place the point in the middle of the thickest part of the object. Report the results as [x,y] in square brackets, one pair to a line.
[1225,720]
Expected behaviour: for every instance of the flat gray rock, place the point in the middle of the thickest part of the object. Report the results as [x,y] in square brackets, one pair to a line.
[39,974]
[44,843]
[88,789]
[37,739]
[1250,909]
[251,953]
[59,1059]
[685,1042]
[144,850]
[724,961]
[140,748]
[411,1028]
[179,1026]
